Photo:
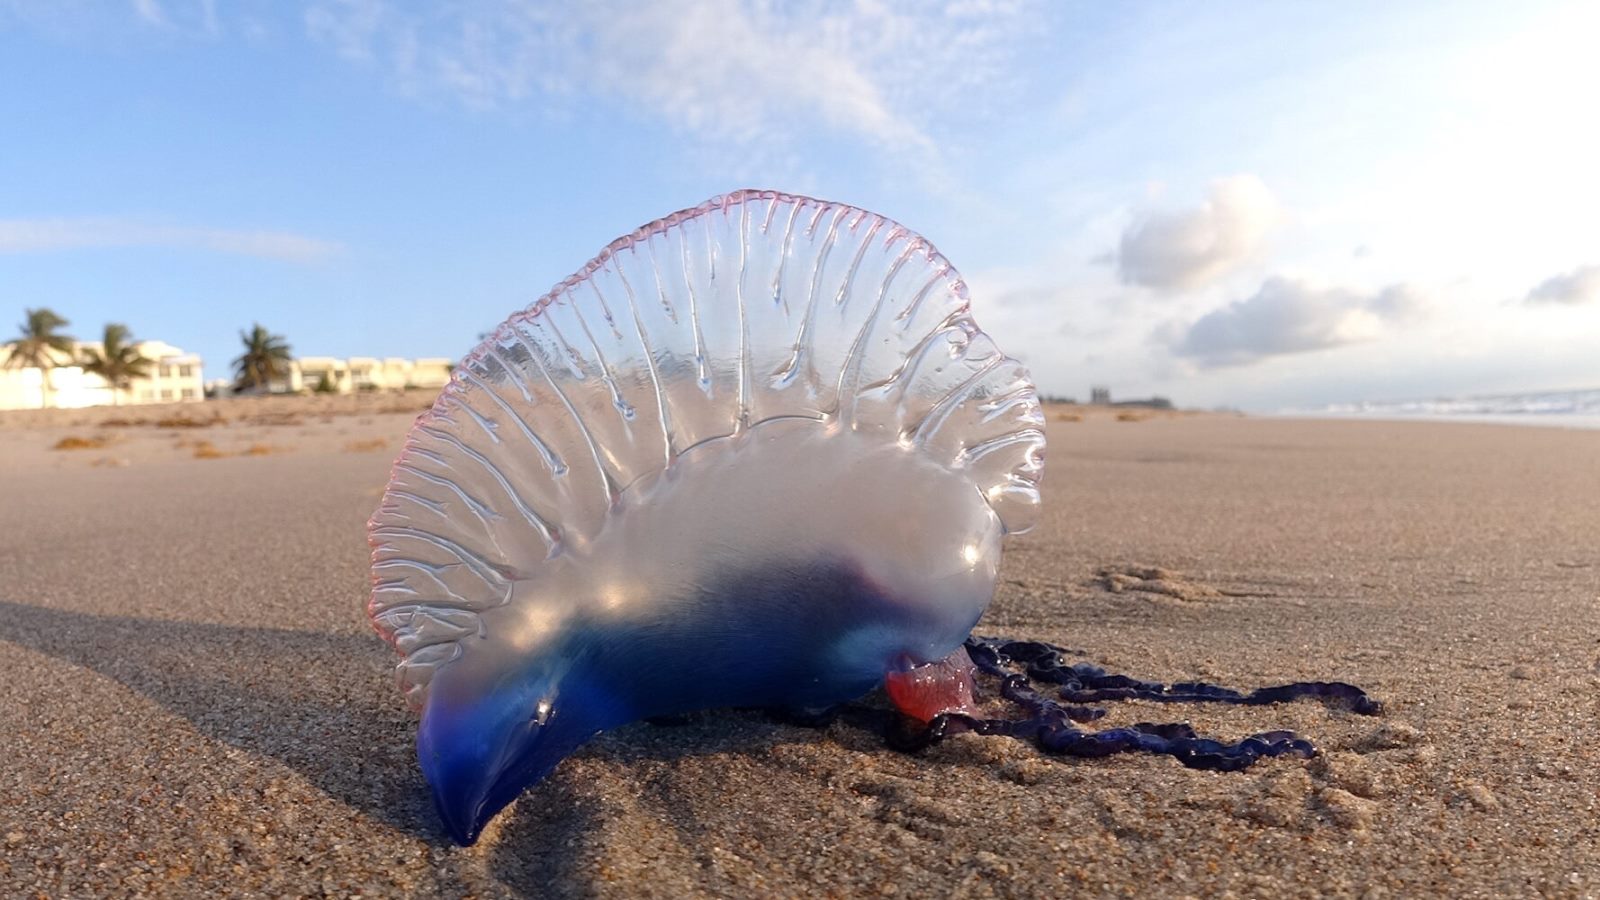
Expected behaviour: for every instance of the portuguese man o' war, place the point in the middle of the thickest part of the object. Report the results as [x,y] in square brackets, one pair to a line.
[756,453]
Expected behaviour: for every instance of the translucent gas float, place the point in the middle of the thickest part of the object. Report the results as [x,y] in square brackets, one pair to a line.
[755,453]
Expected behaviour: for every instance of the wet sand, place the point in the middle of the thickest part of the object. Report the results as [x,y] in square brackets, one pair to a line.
[192,702]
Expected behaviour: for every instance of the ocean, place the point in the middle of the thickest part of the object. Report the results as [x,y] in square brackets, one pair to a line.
[1560,409]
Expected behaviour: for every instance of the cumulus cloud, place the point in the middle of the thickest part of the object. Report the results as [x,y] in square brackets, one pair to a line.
[1173,251]
[1292,316]
[40,235]
[720,68]
[1581,285]
[1401,304]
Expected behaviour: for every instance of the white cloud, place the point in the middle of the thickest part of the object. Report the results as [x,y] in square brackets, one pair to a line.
[1292,316]
[723,69]
[1173,251]
[1581,285]
[150,11]
[194,18]
[1402,304]
[41,235]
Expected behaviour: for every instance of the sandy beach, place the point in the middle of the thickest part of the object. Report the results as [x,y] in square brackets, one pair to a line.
[193,703]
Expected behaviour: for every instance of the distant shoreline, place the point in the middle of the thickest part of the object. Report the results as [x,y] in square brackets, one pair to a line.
[288,408]
[1520,420]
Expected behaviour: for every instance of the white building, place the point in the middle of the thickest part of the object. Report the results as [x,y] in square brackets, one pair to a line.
[174,377]
[365,373]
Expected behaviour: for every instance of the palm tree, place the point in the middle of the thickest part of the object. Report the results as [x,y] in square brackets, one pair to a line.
[266,356]
[118,361]
[41,340]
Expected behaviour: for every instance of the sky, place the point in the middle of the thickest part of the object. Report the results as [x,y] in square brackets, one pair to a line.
[1255,205]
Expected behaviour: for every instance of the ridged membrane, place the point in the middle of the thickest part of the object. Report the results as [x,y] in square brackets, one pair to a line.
[752,307]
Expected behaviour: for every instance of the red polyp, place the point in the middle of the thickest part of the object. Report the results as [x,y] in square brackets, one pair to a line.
[925,691]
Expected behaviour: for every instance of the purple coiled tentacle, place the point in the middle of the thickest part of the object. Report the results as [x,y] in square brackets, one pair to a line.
[1049,724]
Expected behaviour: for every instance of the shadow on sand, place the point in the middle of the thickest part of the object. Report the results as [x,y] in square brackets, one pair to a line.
[318,703]
[324,705]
